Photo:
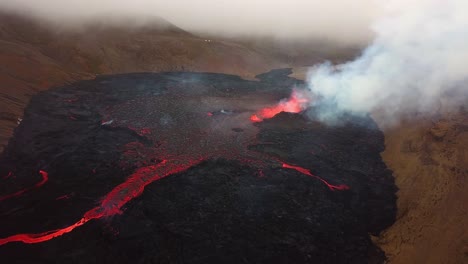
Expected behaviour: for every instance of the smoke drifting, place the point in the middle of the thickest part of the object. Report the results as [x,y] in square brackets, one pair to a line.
[418,58]
[341,20]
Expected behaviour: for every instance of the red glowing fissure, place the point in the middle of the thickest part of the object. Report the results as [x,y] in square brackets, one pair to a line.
[45,177]
[294,104]
[307,172]
[145,131]
[113,201]
[63,197]
[8,175]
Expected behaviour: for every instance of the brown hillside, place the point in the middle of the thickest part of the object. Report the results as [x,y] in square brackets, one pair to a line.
[36,56]
[429,158]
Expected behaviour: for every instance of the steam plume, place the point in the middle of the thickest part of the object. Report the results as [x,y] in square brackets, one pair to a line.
[419,55]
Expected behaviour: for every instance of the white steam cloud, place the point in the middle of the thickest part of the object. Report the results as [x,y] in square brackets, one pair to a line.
[419,56]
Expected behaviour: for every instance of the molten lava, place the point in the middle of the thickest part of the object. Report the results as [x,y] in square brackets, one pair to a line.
[295,104]
[113,201]
[307,172]
[45,177]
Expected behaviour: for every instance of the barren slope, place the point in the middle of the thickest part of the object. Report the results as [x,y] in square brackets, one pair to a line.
[34,57]
[429,159]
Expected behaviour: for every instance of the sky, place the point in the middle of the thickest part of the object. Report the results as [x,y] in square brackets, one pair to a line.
[347,21]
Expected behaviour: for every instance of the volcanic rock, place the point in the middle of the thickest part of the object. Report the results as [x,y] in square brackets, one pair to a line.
[165,182]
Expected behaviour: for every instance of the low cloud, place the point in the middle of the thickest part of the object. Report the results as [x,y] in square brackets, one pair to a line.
[341,20]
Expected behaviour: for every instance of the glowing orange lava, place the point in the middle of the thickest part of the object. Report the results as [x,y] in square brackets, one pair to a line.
[307,172]
[295,104]
[45,177]
[113,201]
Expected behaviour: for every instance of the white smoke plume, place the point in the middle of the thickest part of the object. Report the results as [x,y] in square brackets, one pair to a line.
[419,56]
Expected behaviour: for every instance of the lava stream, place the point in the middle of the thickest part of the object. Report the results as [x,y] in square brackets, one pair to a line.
[113,201]
[307,172]
[45,177]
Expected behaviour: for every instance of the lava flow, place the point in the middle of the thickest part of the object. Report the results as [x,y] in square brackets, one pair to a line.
[149,133]
[307,172]
[45,177]
[296,103]
[113,201]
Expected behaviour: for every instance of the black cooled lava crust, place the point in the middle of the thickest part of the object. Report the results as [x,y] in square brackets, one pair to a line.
[238,205]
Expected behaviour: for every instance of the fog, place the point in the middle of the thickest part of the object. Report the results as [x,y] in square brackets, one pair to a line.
[341,20]
[416,54]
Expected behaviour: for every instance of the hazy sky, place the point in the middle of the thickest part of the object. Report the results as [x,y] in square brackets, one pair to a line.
[345,20]
[417,48]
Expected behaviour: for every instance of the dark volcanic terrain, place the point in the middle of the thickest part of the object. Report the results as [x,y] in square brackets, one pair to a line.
[168,168]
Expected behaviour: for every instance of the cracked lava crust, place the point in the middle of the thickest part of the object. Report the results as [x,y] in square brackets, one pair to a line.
[179,168]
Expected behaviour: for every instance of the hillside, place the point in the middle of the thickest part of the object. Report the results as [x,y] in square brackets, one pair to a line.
[429,158]
[36,56]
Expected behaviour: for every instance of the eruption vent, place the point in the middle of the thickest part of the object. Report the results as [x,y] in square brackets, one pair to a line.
[296,103]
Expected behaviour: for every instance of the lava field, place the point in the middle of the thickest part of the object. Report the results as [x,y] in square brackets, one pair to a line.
[179,168]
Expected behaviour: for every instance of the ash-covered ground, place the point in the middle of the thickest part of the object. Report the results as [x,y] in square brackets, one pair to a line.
[168,168]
